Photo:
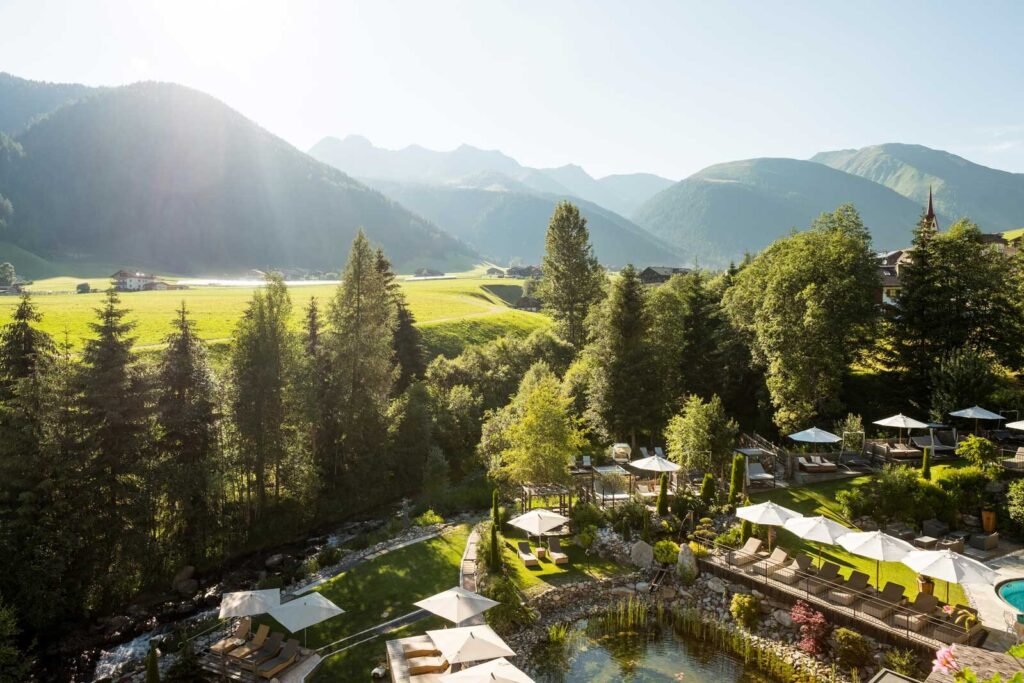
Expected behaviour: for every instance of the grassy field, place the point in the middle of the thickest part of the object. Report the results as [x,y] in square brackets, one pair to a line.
[380,590]
[819,499]
[452,313]
[532,580]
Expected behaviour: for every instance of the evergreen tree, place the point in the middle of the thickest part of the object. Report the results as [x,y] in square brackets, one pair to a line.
[622,390]
[707,489]
[572,279]
[362,357]
[22,345]
[411,436]
[15,663]
[262,362]
[746,531]
[408,341]
[663,496]
[737,479]
[115,411]
[187,420]
[495,510]
[926,464]
[316,395]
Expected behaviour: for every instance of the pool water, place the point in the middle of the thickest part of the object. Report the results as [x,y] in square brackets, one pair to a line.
[1012,592]
[658,656]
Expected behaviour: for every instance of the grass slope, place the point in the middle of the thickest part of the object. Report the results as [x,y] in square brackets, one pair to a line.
[820,499]
[452,313]
[532,580]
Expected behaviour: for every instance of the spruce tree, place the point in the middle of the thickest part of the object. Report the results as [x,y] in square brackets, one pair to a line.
[408,341]
[115,411]
[362,357]
[187,420]
[262,362]
[623,385]
[572,280]
[22,345]
[736,481]
[663,496]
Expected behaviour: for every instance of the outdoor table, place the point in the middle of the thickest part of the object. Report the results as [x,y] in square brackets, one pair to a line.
[926,542]
[542,552]
[962,535]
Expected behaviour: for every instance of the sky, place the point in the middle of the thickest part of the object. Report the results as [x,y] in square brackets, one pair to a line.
[616,87]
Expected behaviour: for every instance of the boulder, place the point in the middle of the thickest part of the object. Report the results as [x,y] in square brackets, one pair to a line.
[782,617]
[686,564]
[274,561]
[184,574]
[187,588]
[641,554]
[716,585]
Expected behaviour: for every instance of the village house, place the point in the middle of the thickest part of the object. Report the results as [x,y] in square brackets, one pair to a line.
[655,275]
[495,272]
[523,271]
[131,281]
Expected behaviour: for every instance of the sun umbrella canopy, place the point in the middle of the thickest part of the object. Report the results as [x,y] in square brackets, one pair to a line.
[456,604]
[305,611]
[470,644]
[1016,425]
[655,463]
[496,671]
[538,521]
[901,421]
[815,435]
[248,603]
[875,545]
[766,514]
[816,529]
[949,566]
[977,413]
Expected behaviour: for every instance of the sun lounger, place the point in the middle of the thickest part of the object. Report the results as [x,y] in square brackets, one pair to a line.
[823,464]
[421,647]
[555,551]
[918,613]
[934,445]
[255,644]
[800,567]
[827,577]
[777,560]
[881,606]
[746,554]
[586,461]
[526,555]
[268,650]
[850,591]
[902,451]
[644,453]
[272,667]
[807,465]
[235,640]
[757,475]
[427,665]
[659,452]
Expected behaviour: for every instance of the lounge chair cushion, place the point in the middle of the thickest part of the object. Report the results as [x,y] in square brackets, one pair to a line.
[427,665]
[255,644]
[272,667]
[236,639]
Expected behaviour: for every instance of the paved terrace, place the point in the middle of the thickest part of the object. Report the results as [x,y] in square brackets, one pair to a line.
[931,633]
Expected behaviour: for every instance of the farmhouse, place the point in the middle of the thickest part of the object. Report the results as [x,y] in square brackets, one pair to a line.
[495,272]
[131,281]
[524,271]
[655,275]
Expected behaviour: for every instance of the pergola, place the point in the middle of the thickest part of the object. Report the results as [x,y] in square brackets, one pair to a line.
[546,491]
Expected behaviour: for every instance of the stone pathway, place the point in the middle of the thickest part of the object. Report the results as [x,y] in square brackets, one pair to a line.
[467,572]
[991,608]
[345,565]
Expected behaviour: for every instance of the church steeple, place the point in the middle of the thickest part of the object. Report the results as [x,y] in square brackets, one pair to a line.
[929,216]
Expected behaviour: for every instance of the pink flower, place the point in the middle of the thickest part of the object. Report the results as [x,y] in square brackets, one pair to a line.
[945,661]
[948,609]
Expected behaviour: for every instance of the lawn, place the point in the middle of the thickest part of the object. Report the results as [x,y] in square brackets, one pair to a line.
[532,580]
[819,499]
[380,590]
[452,313]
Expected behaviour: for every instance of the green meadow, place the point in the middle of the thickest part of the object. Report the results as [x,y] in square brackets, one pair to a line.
[452,313]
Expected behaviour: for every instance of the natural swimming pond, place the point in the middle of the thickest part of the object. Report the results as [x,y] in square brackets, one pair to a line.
[655,654]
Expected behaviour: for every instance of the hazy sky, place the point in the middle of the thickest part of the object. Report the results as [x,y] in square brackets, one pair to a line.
[666,87]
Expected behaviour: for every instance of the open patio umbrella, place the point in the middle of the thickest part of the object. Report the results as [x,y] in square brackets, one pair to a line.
[248,603]
[949,566]
[766,514]
[456,604]
[538,522]
[496,671]
[816,529]
[977,413]
[815,435]
[901,422]
[655,463]
[305,611]
[470,644]
[877,546]
[1015,425]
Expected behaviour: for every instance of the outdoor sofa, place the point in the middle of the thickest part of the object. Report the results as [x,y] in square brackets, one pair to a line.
[849,591]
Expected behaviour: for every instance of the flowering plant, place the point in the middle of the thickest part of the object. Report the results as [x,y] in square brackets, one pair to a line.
[945,662]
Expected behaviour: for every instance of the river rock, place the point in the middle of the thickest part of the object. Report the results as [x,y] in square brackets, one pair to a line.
[716,585]
[184,574]
[187,588]
[686,564]
[274,561]
[782,617]
[641,554]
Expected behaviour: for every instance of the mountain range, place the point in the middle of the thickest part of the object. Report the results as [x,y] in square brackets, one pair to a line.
[159,176]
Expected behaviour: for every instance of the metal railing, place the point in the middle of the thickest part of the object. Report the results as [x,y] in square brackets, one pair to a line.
[866,610]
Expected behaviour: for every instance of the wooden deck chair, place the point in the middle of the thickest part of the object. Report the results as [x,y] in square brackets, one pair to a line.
[555,551]
[746,554]
[427,665]
[268,650]
[777,560]
[882,605]
[256,643]
[236,639]
[800,567]
[826,577]
[272,667]
[526,555]
[851,590]
[917,614]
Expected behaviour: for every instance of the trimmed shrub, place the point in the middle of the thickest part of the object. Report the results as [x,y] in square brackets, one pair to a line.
[584,515]
[731,537]
[494,556]
[663,496]
[495,510]
[851,649]
[739,463]
[745,609]
[328,557]
[699,551]
[903,662]
[427,518]
[813,627]
[708,489]
[926,465]
[666,551]
[746,531]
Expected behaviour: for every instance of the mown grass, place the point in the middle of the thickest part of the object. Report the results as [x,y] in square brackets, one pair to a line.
[820,499]
[532,580]
[453,313]
[378,591]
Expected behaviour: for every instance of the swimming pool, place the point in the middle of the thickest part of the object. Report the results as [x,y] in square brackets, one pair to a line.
[1012,593]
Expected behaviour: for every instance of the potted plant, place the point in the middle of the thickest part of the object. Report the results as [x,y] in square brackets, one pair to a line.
[988,517]
[925,584]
